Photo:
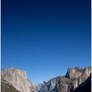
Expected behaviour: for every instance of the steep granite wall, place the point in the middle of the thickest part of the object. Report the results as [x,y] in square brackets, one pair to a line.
[18,79]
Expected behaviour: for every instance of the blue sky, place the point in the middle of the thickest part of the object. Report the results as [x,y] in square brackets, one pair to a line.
[45,37]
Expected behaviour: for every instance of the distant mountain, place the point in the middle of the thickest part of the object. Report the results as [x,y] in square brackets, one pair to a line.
[18,79]
[68,83]
[37,86]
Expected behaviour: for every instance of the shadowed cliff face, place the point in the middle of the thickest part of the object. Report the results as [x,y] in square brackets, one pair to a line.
[18,79]
[6,87]
[85,86]
[68,83]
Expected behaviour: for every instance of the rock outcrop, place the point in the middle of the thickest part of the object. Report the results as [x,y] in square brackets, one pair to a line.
[74,73]
[18,79]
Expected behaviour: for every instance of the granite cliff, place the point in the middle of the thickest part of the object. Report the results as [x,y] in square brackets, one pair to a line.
[18,79]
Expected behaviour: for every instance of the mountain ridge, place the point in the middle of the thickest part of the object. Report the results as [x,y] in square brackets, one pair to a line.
[66,83]
[75,77]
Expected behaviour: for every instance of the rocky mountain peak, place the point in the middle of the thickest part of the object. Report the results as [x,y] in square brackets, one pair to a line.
[74,72]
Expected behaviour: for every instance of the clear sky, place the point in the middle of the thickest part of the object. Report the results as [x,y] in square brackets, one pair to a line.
[45,37]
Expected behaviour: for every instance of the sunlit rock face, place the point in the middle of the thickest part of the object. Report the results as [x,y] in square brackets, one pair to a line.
[74,73]
[49,85]
[73,78]
[78,75]
[18,79]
